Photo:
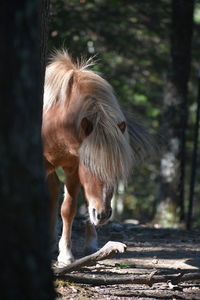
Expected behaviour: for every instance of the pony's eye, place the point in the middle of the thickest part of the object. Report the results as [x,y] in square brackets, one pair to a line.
[122,126]
[87,126]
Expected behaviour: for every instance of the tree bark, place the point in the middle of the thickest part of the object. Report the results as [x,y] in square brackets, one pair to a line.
[24,251]
[175,112]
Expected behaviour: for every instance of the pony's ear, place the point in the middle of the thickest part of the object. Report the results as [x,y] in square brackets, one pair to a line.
[86,126]
[122,126]
[70,85]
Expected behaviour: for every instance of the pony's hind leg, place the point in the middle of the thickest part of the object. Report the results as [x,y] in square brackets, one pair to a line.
[91,243]
[68,210]
[54,187]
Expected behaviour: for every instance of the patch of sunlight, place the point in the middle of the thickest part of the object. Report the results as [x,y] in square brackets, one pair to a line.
[140,98]
[119,59]
[167,215]
[90,45]
[61,174]
[168,169]
[133,19]
[197,14]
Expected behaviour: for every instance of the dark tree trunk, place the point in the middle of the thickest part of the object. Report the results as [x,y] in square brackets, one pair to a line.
[194,160]
[175,112]
[24,250]
[44,17]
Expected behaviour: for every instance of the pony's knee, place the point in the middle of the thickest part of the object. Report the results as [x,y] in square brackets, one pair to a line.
[68,209]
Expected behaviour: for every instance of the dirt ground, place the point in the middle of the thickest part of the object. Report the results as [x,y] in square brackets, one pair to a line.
[168,251]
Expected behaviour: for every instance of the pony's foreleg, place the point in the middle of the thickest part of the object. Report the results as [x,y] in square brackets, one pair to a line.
[91,242]
[68,210]
[54,186]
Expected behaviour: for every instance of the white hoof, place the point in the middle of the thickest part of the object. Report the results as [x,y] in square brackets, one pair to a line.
[64,260]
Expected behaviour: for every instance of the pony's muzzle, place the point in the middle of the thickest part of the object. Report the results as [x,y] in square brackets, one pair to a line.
[102,217]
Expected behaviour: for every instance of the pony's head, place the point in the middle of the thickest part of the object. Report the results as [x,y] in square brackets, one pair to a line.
[98,196]
[98,188]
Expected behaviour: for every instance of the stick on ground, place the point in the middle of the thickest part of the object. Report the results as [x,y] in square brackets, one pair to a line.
[107,251]
[132,279]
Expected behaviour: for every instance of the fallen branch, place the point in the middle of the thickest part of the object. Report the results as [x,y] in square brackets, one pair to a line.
[105,252]
[132,279]
[108,251]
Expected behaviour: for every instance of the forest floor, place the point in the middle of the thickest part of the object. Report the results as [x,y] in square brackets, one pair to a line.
[168,251]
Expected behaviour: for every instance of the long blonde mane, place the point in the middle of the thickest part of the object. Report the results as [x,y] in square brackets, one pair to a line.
[107,152]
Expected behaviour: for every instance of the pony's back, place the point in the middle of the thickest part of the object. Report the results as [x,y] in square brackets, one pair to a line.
[62,72]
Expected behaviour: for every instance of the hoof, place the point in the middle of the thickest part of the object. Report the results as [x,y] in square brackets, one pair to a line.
[61,264]
[64,260]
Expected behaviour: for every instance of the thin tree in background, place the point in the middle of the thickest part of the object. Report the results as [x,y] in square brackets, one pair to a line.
[24,250]
[194,159]
[175,114]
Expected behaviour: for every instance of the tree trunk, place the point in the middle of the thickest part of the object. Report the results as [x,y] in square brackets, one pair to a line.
[194,160]
[175,112]
[44,18]
[24,251]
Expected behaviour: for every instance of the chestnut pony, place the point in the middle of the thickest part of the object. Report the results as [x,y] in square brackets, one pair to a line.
[85,132]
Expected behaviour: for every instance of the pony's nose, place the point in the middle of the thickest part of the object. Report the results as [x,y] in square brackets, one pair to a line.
[103,215]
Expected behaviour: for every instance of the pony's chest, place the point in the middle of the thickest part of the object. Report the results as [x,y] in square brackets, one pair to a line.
[59,144]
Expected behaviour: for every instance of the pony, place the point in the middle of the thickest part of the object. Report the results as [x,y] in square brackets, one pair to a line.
[85,132]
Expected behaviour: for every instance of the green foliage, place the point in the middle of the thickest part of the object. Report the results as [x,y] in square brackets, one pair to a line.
[131,43]
[197,13]
[61,174]
[125,265]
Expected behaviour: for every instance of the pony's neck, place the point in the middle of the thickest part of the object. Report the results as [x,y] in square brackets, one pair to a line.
[59,132]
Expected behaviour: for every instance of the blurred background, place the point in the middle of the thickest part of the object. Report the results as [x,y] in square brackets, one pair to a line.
[149,52]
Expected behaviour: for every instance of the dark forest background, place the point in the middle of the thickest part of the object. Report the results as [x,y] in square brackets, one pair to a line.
[149,52]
